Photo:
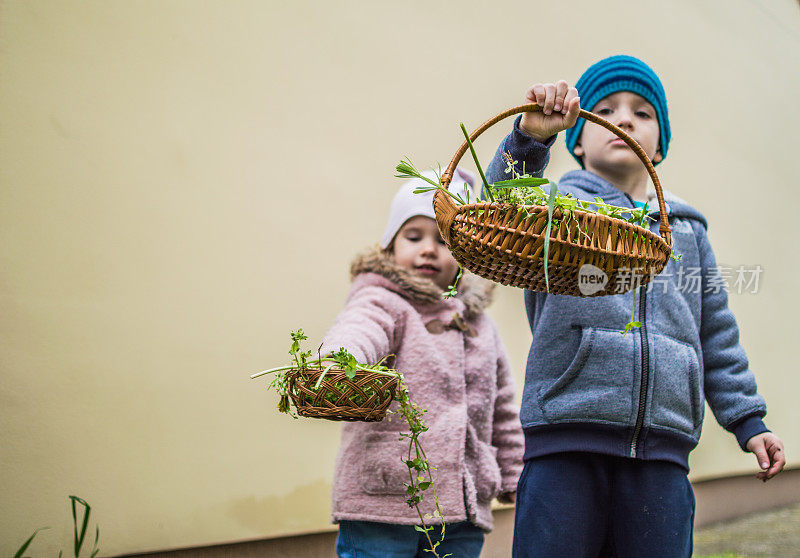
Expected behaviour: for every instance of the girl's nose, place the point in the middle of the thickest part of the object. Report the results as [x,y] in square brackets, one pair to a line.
[428,248]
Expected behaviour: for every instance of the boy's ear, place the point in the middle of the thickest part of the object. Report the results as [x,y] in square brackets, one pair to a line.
[578,150]
[658,157]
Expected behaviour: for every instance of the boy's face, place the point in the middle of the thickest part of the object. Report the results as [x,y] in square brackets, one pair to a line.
[603,151]
[419,247]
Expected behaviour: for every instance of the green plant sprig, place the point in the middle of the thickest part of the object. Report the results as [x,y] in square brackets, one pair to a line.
[419,469]
[452,290]
[407,170]
[485,184]
[79,535]
[420,472]
[551,202]
[633,323]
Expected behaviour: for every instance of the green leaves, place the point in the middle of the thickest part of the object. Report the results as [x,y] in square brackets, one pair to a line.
[79,537]
[520,182]
[297,336]
[407,170]
[451,289]
[79,534]
[486,189]
[630,325]
[551,202]
[300,357]
[95,550]
[26,544]
[419,470]
[423,189]
[283,404]
[346,361]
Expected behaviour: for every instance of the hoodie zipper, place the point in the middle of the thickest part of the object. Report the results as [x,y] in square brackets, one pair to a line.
[644,382]
[645,375]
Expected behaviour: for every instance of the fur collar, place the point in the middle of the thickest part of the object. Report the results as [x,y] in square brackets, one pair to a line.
[473,291]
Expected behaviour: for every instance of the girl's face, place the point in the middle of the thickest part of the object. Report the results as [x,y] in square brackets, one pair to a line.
[419,247]
[602,150]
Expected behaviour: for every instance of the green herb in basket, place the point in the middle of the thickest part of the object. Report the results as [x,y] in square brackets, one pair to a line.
[523,191]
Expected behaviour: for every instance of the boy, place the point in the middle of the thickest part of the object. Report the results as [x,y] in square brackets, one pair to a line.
[610,420]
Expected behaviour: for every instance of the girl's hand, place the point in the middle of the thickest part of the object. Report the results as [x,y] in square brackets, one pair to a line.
[560,106]
[507,497]
[768,449]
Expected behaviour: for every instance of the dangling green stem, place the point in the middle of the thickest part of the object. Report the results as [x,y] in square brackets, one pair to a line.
[486,188]
[550,205]
[632,324]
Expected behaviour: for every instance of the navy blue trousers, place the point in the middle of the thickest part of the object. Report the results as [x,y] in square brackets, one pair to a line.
[593,505]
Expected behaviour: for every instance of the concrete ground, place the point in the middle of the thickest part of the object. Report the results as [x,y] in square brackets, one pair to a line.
[766,534]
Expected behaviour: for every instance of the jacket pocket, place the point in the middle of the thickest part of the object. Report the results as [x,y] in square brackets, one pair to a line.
[676,385]
[487,473]
[597,384]
[382,470]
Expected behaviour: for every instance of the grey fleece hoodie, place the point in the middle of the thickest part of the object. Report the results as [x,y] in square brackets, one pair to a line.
[588,388]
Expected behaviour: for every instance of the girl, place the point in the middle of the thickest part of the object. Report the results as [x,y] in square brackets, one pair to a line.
[455,366]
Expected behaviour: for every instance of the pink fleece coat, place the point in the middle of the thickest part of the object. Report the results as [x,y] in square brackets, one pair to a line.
[460,375]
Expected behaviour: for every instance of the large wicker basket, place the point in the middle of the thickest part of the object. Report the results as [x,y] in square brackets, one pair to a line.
[505,245]
[364,398]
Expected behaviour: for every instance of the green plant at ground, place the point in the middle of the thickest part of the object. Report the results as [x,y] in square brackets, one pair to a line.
[419,469]
[79,534]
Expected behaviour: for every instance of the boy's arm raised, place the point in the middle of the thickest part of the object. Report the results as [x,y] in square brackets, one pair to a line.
[534,132]
[560,107]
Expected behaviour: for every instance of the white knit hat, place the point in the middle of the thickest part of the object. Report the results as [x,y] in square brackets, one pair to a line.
[406,204]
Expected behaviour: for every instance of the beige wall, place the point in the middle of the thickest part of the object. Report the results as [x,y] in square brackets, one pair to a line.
[184,182]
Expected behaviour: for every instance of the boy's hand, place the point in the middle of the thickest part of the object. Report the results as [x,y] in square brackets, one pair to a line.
[560,106]
[768,449]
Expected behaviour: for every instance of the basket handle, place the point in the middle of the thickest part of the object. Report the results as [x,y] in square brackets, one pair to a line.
[443,201]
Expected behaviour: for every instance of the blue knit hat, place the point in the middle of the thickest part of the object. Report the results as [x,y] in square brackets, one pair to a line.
[620,73]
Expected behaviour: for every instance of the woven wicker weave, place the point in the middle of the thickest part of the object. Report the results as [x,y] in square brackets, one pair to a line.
[505,245]
[364,398]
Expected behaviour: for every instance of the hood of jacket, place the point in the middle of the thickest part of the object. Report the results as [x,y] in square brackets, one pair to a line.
[474,292]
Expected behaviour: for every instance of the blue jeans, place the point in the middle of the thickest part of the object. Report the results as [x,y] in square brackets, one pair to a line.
[367,539]
[592,505]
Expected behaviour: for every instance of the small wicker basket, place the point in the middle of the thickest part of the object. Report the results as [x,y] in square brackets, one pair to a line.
[364,398]
[505,245]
